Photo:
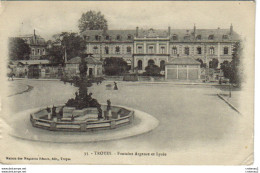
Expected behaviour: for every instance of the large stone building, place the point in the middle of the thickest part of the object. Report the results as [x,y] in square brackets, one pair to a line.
[37,45]
[142,47]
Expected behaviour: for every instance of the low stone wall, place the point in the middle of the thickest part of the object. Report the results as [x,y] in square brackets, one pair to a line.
[85,125]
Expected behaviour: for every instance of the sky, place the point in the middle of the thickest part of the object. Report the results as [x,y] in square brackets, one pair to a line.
[49,18]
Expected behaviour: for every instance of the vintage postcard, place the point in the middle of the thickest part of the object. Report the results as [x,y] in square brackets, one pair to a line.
[127,82]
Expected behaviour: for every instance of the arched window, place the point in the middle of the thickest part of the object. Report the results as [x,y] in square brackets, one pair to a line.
[174,50]
[33,52]
[175,37]
[186,50]
[117,49]
[211,51]
[199,50]
[118,37]
[162,65]
[225,50]
[107,37]
[150,62]
[140,65]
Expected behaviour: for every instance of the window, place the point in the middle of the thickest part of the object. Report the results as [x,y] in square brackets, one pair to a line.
[129,37]
[95,49]
[211,37]
[162,50]
[43,51]
[139,49]
[174,50]
[106,50]
[107,37]
[118,37]
[225,37]
[175,37]
[33,52]
[97,37]
[211,51]
[150,49]
[38,51]
[117,49]
[140,65]
[198,37]
[162,65]
[186,50]
[85,37]
[199,50]
[225,50]
[128,49]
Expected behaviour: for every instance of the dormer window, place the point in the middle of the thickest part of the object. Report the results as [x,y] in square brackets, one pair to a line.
[107,37]
[187,37]
[198,37]
[211,37]
[118,37]
[129,37]
[175,37]
[225,37]
[97,37]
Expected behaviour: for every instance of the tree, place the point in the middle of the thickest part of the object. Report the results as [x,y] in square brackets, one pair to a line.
[235,64]
[70,44]
[115,66]
[18,49]
[213,63]
[202,65]
[152,70]
[92,20]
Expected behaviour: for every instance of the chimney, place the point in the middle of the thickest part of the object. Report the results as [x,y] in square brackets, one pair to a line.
[34,37]
[169,31]
[136,32]
[231,29]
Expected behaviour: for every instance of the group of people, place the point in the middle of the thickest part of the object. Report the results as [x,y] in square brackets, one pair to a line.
[53,114]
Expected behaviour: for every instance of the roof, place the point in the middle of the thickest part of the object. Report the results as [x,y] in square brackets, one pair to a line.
[89,60]
[32,62]
[38,40]
[183,61]
[183,35]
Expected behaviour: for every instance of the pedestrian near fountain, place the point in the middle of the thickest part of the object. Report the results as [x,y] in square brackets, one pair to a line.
[109,114]
[49,113]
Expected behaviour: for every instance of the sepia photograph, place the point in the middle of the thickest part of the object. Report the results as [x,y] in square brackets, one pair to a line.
[127,82]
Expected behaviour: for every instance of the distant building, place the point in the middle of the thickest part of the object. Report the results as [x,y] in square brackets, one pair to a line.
[37,45]
[94,66]
[143,47]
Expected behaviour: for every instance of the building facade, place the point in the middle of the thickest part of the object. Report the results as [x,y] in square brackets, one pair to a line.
[37,45]
[141,47]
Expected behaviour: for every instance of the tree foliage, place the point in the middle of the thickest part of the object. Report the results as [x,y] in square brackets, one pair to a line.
[213,63]
[92,20]
[18,49]
[232,70]
[70,43]
[152,70]
[115,66]
[202,65]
